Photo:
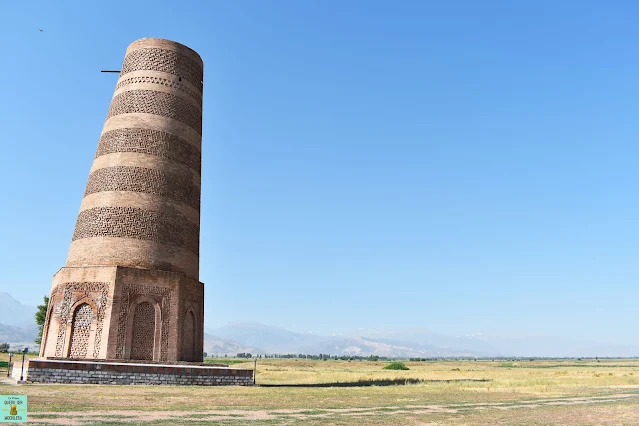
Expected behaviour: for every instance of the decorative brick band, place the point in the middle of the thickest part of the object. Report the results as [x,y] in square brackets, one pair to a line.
[131,222]
[158,103]
[154,142]
[161,81]
[174,186]
[166,61]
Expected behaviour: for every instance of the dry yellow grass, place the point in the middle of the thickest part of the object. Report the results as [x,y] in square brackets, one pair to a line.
[526,392]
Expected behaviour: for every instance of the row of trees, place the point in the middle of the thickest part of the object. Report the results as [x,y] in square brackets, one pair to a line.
[40,318]
[322,357]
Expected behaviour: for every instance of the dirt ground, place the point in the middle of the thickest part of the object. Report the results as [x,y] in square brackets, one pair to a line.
[535,392]
[626,408]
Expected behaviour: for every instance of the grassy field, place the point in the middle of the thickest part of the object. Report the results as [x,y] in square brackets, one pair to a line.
[321,393]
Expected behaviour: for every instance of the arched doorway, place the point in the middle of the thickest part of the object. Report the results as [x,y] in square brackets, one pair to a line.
[188,337]
[143,336]
[81,331]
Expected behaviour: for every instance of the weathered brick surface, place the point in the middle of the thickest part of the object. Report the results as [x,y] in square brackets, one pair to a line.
[114,294]
[134,253]
[150,145]
[47,371]
[130,288]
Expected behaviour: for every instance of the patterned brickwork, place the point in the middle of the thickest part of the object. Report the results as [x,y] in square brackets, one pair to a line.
[173,186]
[154,142]
[80,331]
[158,103]
[143,331]
[129,293]
[101,300]
[131,222]
[163,60]
[64,296]
[162,82]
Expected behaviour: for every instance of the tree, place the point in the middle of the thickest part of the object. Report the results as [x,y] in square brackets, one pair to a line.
[4,347]
[40,317]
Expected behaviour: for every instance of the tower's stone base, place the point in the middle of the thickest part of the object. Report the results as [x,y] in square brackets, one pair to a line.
[114,373]
[121,313]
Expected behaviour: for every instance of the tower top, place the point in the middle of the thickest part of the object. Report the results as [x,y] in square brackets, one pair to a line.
[141,207]
[161,43]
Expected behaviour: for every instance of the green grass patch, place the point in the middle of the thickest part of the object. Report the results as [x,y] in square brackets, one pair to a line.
[204,415]
[312,412]
[66,416]
[396,366]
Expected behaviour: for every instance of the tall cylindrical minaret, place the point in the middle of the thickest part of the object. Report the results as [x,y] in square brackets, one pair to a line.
[141,207]
[130,288]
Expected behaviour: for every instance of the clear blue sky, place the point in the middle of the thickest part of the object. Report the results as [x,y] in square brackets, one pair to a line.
[462,166]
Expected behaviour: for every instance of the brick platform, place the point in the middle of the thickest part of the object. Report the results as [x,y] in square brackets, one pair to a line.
[117,373]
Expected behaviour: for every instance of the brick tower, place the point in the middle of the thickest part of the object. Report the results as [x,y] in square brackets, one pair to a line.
[130,288]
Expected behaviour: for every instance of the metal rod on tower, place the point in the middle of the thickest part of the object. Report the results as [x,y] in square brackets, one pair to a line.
[118,71]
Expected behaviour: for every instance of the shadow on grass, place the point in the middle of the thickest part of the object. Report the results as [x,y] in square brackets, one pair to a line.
[372,382]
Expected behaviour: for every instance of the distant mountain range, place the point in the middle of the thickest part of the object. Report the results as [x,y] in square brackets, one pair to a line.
[408,343]
[17,323]
[15,313]
[18,328]
[270,339]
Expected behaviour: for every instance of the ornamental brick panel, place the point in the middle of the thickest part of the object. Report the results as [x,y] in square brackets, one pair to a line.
[144,325]
[80,331]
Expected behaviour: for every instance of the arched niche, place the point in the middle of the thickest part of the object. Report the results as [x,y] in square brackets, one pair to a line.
[80,329]
[143,330]
[189,335]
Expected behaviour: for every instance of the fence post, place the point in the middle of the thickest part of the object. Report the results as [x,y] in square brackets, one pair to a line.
[254,368]
[9,365]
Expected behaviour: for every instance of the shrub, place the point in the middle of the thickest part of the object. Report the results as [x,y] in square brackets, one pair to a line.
[396,366]
[4,347]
